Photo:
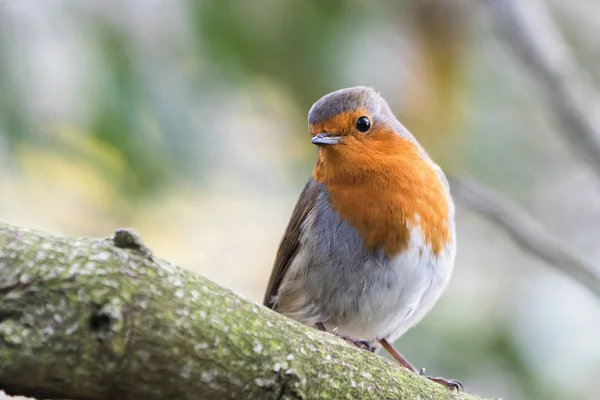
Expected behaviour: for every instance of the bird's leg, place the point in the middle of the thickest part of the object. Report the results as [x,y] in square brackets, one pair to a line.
[449,383]
[357,342]
[390,349]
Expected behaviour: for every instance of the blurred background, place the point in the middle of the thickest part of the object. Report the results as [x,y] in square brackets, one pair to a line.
[187,121]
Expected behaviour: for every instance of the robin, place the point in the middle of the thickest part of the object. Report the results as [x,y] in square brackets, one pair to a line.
[371,243]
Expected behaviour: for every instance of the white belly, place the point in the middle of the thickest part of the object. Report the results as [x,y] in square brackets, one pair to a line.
[368,296]
[391,298]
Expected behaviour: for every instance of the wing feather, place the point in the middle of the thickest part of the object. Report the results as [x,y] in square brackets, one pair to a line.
[288,248]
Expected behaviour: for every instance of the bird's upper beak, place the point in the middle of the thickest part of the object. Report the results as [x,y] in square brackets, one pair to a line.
[325,139]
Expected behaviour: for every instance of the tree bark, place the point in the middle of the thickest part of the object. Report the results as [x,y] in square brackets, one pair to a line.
[104,319]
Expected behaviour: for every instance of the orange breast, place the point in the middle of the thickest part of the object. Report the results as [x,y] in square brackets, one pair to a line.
[381,186]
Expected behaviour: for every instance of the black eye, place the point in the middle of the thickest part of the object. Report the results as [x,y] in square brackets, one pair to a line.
[363,124]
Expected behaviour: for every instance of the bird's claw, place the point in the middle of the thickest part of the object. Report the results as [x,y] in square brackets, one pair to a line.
[363,344]
[449,383]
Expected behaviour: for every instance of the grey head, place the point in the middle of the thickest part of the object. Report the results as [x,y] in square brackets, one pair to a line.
[352,99]
[348,101]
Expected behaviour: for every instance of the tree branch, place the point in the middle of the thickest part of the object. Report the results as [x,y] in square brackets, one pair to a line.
[526,233]
[528,29]
[85,319]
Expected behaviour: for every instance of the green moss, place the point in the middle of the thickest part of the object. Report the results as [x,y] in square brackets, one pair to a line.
[97,321]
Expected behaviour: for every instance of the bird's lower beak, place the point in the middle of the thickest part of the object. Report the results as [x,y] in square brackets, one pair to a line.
[325,139]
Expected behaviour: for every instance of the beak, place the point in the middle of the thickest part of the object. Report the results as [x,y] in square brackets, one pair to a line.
[325,139]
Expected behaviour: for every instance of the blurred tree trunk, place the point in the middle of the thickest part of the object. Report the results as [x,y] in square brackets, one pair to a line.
[103,319]
[435,89]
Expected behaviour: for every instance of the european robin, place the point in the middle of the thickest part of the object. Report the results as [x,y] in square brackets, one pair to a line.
[371,243]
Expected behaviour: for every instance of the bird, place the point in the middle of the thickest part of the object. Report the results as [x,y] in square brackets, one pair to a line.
[370,245]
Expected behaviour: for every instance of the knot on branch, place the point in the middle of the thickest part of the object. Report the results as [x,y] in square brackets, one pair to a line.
[102,322]
[127,238]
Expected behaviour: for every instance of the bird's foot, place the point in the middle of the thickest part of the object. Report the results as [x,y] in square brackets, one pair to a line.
[363,344]
[449,383]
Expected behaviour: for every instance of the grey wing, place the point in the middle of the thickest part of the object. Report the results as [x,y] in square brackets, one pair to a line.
[291,240]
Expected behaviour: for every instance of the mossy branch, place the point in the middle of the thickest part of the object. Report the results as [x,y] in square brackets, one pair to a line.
[104,319]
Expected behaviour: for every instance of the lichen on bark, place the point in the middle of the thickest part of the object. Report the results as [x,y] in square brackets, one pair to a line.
[86,319]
